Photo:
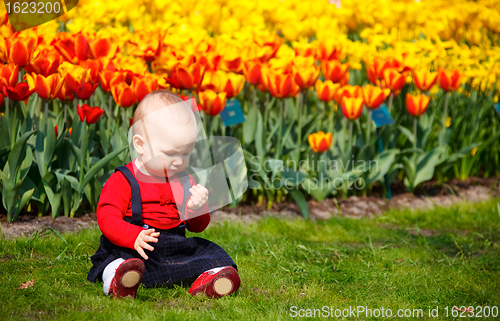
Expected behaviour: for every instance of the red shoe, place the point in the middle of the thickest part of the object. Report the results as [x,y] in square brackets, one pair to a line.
[216,284]
[127,278]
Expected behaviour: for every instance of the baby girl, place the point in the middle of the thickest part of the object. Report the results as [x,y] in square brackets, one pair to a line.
[143,230]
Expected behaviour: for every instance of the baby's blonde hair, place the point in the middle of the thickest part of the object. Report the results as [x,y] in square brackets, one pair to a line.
[154,101]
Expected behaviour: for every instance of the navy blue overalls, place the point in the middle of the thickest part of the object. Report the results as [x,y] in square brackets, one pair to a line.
[175,258]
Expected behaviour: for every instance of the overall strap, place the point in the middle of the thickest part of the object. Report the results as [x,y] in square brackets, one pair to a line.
[135,192]
[186,184]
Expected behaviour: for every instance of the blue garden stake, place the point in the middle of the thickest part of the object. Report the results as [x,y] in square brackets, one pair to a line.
[381,117]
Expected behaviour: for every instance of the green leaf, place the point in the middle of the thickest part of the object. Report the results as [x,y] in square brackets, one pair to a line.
[384,162]
[301,202]
[292,178]
[407,133]
[21,203]
[44,148]
[98,166]
[250,124]
[425,167]
[17,154]
[75,150]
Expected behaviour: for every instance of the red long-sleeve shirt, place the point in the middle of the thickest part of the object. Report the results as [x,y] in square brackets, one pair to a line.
[159,209]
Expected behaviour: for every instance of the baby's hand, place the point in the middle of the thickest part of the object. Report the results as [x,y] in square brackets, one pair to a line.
[143,237]
[199,198]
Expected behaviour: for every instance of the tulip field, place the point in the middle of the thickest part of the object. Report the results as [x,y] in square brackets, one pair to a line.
[311,78]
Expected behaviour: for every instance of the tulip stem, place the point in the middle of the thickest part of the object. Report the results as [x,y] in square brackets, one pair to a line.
[368,126]
[46,112]
[415,132]
[65,113]
[7,108]
[75,113]
[110,108]
[299,129]
[278,146]
[350,135]
[389,103]
[445,111]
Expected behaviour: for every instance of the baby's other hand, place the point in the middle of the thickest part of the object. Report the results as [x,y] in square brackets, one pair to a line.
[199,198]
[142,239]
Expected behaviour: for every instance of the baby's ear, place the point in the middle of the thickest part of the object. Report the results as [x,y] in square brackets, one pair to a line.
[138,142]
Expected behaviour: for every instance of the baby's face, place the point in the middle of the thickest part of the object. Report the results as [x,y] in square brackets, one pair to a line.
[169,146]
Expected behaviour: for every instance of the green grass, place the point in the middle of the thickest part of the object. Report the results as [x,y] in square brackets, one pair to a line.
[339,263]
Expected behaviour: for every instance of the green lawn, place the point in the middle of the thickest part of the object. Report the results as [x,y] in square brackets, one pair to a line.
[285,266]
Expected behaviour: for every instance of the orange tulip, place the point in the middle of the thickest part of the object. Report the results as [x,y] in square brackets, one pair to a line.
[252,71]
[326,90]
[305,50]
[146,45]
[394,80]
[352,108]
[70,130]
[417,105]
[282,85]
[20,50]
[123,94]
[211,102]
[234,84]
[449,81]
[103,48]
[143,86]
[9,75]
[268,46]
[182,77]
[213,80]
[375,70]
[233,62]
[56,131]
[326,51]
[320,142]
[374,96]
[93,68]
[72,47]
[48,88]
[348,91]
[65,95]
[45,63]
[424,79]
[305,76]
[334,70]
[105,78]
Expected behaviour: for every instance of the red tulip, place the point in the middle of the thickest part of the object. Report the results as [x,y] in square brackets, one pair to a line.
[85,90]
[20,92]
[89,114]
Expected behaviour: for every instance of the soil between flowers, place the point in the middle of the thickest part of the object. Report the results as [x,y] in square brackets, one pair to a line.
[429,195]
